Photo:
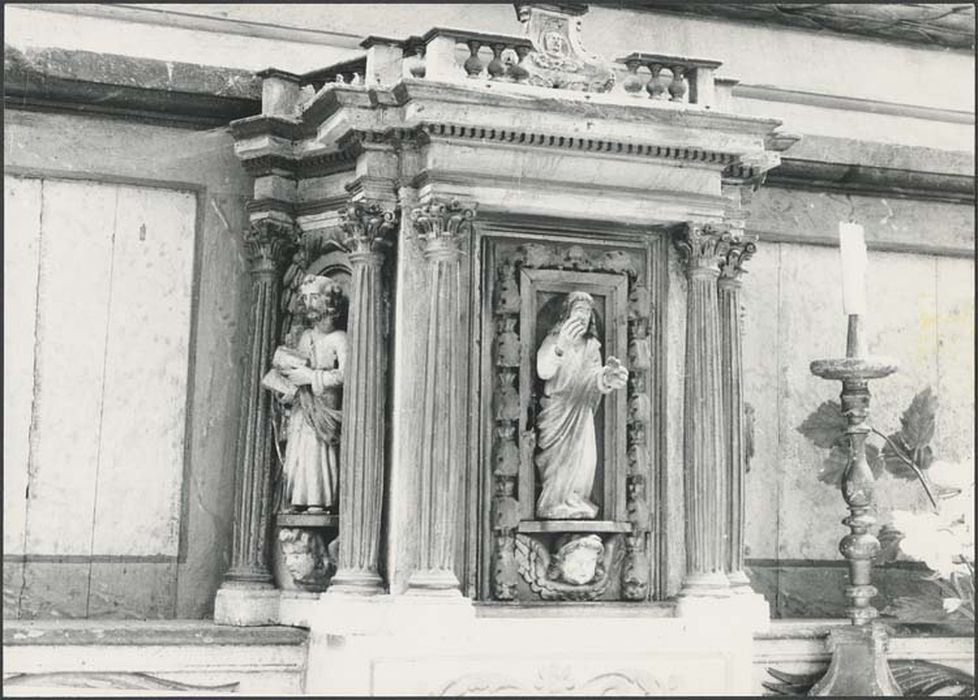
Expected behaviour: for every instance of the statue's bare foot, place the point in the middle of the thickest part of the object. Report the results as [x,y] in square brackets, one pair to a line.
[315,509]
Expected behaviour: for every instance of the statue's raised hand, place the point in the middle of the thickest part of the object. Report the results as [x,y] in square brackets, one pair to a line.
[572,329]
[614,374]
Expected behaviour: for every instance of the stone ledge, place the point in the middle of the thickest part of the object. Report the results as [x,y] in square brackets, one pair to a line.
[145,632]
[131,87]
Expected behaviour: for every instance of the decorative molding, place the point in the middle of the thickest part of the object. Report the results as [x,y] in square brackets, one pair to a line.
[770,93]
[110,681]
[65,80]
[206,23]
[521,138]
[951,26]
[854,178]
[560,679]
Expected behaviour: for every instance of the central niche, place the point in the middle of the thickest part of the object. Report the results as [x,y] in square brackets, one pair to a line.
[570,412]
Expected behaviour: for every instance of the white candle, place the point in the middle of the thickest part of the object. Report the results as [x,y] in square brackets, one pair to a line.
[852,245]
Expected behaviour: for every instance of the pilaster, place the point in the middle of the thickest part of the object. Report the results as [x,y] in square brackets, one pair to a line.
[442,229]
[732,374]
[703,248]
[367,229]
[247,595]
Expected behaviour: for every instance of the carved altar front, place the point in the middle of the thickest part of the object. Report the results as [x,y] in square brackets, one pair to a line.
[497,208]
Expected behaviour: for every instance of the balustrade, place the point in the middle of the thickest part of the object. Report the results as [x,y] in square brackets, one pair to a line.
[455,55]
[459,54]
[669,78]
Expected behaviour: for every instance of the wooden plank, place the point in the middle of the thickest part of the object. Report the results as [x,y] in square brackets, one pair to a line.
[73,293]
[22,232]
[954,439]
[147,353]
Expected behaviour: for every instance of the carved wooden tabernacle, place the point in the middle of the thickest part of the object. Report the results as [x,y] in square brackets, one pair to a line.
[527,279]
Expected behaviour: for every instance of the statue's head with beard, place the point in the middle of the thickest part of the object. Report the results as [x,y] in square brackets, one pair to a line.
[321,301]
[578,305]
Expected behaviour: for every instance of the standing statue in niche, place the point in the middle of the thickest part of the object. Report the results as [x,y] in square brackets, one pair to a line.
[569,363]
[308,375]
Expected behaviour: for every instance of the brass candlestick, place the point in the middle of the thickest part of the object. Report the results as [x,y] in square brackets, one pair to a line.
[858,665]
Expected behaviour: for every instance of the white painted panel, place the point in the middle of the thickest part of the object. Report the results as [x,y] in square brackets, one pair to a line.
[22,230]
[145,399]
[75,259]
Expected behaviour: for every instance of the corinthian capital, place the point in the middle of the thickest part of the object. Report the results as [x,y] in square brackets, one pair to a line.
[741,249]
[440,226]
[703,247]
[367,227]
[269,242]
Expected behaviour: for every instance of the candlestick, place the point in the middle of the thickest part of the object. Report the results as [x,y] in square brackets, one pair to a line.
[852,246]
[858,665]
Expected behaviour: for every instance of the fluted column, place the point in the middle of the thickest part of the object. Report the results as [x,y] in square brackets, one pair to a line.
[362,444]
[732,369]
[704,445]
[443,229]
[268,243]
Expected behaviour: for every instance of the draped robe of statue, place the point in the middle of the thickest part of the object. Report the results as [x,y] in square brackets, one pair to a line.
[312,463]
[567,452]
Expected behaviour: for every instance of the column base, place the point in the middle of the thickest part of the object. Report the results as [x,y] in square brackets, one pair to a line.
[434,582]
[859,667]
[246,605]
[356,582]
[714,586]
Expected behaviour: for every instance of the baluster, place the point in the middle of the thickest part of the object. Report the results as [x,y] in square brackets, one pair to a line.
[416,64]
[516,70]
[677,88]
[496,68]
[633,82]
[473,64]
[655,88]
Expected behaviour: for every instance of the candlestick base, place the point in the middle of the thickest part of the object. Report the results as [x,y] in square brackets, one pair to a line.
[859,667]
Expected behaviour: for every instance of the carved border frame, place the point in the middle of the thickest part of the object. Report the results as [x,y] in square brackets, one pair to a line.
[504,447]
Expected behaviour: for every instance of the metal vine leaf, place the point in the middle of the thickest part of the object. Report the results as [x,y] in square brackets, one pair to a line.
[918,420]
[826,426]
[911,441]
